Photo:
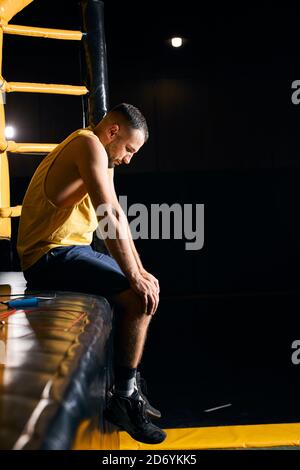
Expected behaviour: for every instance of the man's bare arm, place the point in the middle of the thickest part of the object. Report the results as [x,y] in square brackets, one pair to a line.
[92,162]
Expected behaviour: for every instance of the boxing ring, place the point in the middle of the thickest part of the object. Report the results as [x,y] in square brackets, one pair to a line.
[58,355]
[57,365]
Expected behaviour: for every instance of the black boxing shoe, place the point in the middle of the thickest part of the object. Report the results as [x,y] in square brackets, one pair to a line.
[142,389]
[129,414]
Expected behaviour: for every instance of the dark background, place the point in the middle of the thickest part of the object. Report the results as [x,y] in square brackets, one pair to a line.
[223,132]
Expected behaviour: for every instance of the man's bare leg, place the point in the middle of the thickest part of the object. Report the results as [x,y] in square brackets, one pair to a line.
[125,408]
[131,328]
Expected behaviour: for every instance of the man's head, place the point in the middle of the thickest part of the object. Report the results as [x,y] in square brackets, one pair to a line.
[123,131]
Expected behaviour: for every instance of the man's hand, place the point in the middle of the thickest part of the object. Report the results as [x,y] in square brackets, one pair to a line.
[151,279]
[148,294]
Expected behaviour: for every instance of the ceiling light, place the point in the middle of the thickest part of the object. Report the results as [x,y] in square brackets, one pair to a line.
[176,42]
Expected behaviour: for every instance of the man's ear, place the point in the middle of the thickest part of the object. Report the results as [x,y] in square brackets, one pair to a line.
[113,130]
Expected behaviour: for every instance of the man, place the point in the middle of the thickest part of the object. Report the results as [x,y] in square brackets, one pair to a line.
[56,226]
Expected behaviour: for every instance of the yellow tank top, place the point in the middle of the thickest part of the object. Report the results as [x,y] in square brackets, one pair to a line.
[44,226]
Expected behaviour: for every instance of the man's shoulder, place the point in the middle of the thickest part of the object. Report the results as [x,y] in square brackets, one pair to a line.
[86,135]
[88,142]
[87,149]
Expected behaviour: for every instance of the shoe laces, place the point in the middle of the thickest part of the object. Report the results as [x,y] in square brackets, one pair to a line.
[143,416]
[142,385]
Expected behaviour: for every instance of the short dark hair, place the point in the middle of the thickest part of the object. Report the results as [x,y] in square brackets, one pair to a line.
[133,116]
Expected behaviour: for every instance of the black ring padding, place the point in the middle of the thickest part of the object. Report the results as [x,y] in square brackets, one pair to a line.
[94,46]
[76,404]
[77,360]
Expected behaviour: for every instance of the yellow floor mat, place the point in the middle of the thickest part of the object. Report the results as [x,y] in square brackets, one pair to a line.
[222,437]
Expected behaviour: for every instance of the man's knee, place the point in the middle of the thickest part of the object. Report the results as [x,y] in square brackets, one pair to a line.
[129,302]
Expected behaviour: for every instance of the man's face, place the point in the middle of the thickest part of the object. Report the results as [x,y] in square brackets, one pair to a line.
[124,144]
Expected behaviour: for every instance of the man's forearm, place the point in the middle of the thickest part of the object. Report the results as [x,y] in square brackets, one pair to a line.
[119,209]
[134,251]
[132,245]
[120,246]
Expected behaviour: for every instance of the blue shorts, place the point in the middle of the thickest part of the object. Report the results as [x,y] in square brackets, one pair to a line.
[77,268]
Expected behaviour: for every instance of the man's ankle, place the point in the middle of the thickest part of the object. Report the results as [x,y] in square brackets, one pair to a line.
[125,380]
